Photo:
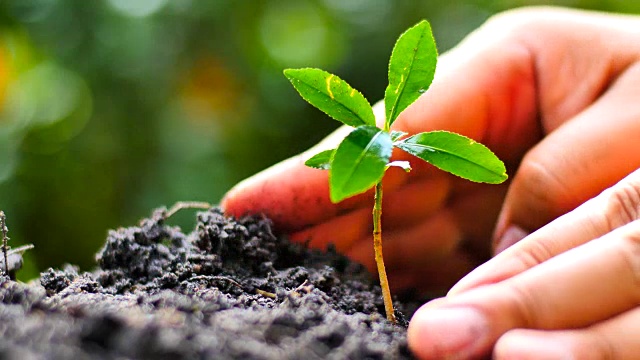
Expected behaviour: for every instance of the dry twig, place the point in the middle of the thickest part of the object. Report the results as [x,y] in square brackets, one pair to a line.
[180,205]
[5,240]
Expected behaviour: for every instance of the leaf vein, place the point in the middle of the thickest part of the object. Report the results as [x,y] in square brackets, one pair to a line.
[436,149]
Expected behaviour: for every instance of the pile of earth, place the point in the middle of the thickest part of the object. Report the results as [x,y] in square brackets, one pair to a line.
[228,290]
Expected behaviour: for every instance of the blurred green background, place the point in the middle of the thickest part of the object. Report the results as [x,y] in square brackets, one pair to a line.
[111,108]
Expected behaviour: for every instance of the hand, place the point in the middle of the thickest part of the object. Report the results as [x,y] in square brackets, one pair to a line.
[570,290]
[551,91]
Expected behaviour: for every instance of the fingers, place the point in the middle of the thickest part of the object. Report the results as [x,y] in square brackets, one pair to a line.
[289,193]
[432,253]
[611,209]
[436,276]
[415,201]
[615,338]
[523,74]
[414,246]
[402,208]
[578,288]
[577,160]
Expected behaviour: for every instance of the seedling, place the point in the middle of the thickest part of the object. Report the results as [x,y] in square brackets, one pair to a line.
[362,158]
[11,258]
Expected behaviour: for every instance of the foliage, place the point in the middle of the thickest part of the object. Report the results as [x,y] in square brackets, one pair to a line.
[364,155]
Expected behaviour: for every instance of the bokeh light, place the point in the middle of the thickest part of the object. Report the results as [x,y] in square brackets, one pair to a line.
[109,108]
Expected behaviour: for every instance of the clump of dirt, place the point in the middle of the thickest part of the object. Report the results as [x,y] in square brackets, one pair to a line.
[228,290]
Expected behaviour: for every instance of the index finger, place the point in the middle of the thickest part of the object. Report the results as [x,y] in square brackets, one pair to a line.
[611,209]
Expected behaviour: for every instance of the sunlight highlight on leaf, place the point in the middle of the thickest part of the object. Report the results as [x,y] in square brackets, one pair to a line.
[332,95]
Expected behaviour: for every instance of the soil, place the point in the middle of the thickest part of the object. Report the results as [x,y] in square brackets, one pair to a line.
[228,290]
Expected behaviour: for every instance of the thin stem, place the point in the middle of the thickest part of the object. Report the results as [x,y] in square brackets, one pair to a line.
[181,205]
[5,239]
[377,247]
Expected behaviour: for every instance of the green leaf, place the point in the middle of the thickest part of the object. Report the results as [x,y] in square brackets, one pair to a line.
[395,135]
[456,154]
[359,162]
[332,95]
[321,160]
[411,69]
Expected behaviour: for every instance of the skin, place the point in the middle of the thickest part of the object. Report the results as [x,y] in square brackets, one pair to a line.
[554,93]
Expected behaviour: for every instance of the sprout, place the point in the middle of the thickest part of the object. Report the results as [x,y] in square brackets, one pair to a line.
[362,158]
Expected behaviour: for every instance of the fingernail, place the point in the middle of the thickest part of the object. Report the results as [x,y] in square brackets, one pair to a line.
[512,235]
[452,333]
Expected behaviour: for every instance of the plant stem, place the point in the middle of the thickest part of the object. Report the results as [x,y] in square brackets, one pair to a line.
[5,239]
[377,248]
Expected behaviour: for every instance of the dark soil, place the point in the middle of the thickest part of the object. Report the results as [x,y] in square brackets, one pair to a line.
[228,290]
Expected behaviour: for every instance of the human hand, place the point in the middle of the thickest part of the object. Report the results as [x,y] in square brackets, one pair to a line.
[570,290]
[535,86]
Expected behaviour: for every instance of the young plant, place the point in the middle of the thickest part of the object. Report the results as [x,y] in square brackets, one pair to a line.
[11,258]
[362,158]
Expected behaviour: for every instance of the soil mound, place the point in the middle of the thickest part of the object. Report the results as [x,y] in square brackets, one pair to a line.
[228,290]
